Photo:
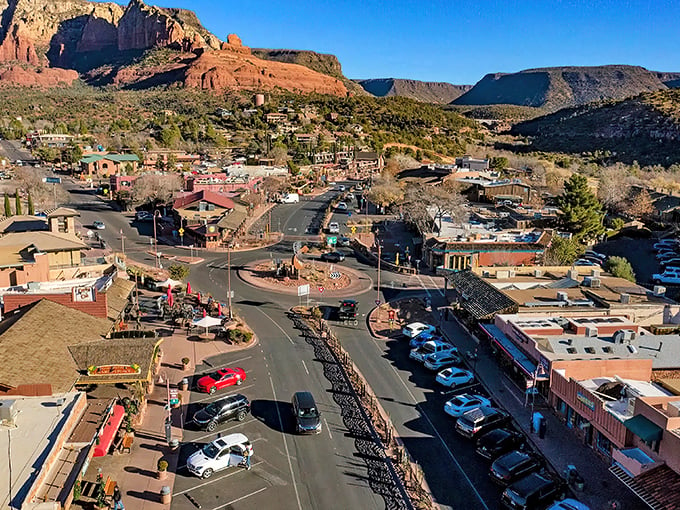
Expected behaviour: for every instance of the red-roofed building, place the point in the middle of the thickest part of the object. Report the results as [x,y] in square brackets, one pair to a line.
[199,213]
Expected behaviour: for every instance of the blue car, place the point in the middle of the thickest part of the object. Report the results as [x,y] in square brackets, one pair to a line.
[420,339]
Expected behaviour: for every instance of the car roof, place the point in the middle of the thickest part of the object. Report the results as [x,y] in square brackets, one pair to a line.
[530,484]
[569,504]
[305,398]
[230,440]
[416,325]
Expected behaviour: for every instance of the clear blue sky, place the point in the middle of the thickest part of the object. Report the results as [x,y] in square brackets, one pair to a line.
[458,41]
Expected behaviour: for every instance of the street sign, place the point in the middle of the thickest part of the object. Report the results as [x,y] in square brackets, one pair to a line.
[230,294]
[303,290]
[52,180]
[174,398]
[354,230]
[332,240]
[377,302]
[321,289]
[180,231]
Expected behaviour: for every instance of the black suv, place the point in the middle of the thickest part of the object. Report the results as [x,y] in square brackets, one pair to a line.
[513,466]
[497,442]
[479,421]
[348,310]
[234,406]
[533,492]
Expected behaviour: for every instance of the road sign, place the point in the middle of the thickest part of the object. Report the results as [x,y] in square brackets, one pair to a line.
[377,302]
[354,230]
[321,289]
[174,398]
[332,240]
[180,231]
[303,290]
[52,180]
[230,294]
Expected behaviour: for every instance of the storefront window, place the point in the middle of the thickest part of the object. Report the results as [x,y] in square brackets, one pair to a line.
[603,444]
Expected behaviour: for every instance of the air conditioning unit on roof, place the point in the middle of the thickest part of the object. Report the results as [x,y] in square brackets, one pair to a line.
[591,331]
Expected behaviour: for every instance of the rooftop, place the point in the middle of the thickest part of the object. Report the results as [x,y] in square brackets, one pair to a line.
[43,241]
[618,395]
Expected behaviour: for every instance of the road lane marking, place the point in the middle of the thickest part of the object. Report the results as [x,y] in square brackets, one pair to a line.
[304,365]
[241,498]
[437,287]
[328,429]
[277,325]
[285,445]
[240,424]
[423,286]
[213,480]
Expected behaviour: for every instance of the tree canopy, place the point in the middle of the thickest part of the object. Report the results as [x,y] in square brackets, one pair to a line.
[581,211]
[621,268]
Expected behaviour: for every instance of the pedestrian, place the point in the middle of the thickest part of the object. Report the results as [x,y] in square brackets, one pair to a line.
[117,499]
[246,458]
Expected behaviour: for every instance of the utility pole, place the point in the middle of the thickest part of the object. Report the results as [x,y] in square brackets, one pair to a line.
[122,242]
[229,277]
[155,238]
[379,253]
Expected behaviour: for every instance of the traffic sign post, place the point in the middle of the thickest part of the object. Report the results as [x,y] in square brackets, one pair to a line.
[332,240]
[53,181]
[377,302]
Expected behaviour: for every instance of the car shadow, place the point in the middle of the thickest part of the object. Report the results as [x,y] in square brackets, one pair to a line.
[275,414]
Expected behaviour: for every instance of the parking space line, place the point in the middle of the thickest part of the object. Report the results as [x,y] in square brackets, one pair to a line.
[217,397]
[203,372]
[240,424]
[241,498]
[213,480]
[277,325]
[304,365]
[285,443]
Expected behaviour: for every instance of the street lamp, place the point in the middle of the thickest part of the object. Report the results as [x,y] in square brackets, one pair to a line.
[229,277]
[191,253]
[379,252]
[156,213]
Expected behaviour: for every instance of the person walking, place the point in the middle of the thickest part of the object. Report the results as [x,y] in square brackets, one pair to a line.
[246,458]
[117,499]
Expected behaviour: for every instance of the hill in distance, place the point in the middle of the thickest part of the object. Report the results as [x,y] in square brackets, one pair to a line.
[553,88]
[645,128]
[425,91]
[50,42]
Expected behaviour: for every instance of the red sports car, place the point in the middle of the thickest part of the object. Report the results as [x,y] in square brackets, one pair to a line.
[221,379]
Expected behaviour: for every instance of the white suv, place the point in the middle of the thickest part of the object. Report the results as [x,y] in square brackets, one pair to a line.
[333,228]
[222,453]
[416,328]
[669,276]
[431,347]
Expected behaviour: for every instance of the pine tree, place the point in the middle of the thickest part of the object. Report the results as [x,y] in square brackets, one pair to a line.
[8,208]
[17,203]
[581,210]
[31,207]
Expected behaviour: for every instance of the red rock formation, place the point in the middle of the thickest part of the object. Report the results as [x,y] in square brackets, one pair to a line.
[41,77]
[18,46]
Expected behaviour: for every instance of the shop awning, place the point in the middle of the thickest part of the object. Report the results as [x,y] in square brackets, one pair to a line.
[508,346]
[644,429]
[109,431]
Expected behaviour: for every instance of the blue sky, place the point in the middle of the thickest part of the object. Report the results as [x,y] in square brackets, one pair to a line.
[458,41]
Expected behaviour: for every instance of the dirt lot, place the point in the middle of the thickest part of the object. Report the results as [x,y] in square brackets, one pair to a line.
[406,311]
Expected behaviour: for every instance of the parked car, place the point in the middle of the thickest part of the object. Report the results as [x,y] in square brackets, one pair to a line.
[569,504]
[307,416]
[670,276]
[222,453]
[600,256]
[344,241]
[419,340]
[441,360]
[667,254]
[228,408]
[479,421]
[333,256]
[431,347]
[143,216]
[350,196]
[512,466]
[290,198]
[586,262]
[497,442]
[416,328]
[333,227]
[673,262]
[452,377]
[666,243]
[460,404]
[342,206]
[341,188]
[223,378]
[99,225]
[534,491]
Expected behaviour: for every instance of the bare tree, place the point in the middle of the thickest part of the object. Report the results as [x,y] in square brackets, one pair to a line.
[641,205]
[279,155]
[614,187]
[385,191]
[156,188]
[42,194]
[425,204]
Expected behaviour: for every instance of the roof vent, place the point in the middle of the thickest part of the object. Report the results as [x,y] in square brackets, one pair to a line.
[33,285]
[572,274]
[624,298]
[562,296]
[591,331]
[538,273]
[624,335]
[8,411]
[659,290]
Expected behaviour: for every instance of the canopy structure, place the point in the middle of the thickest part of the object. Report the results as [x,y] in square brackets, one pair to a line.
[109,431]
[168,283]
[644,428]
[207,322]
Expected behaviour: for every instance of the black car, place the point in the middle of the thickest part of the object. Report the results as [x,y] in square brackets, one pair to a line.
[533,492]
[512,466]
[333,256]
[479,421]
[231,407]
[497,442]
[307,415]
[348,310]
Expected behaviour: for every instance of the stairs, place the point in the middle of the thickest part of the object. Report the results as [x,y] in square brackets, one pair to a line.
[638,490]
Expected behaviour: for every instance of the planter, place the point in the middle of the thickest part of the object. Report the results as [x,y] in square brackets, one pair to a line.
[185,363]
[166,495]
[162,475]
[183,384]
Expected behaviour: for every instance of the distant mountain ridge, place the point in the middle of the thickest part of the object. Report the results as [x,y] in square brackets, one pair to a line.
[553,88]
[426,91]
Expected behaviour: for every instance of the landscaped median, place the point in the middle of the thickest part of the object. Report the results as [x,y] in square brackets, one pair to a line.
[410,487]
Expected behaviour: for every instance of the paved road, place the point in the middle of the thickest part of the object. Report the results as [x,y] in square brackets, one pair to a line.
[15,151]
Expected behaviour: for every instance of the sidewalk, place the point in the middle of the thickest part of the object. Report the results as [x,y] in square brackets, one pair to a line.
[135,472]
[560,446]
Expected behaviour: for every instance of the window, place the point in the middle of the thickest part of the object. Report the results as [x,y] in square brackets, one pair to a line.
[603,443]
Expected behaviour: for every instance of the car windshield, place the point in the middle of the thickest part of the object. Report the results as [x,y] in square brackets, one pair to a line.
[458,402]
[447,373]
[211,451]
[428,348]
[514,496]
[212,409]
[310,412]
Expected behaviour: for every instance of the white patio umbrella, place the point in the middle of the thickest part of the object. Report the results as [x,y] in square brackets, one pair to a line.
[207,322]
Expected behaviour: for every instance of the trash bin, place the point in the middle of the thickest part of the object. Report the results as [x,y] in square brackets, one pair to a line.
[542,426]
[538,424]
[166,495]
[184,384]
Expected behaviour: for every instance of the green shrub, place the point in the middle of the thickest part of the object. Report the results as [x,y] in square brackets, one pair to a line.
[178,271]
[238,336]
[162,465]
[621,268]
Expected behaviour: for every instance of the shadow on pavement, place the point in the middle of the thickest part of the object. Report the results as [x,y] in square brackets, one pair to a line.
[267,411]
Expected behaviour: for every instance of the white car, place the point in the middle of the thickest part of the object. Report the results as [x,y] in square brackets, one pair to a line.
[290,198]
[463,403]
[452,377]
[416,328]
[669,276]
[441,360]
[341,188]
[222,453]
[342,206]
[99,225]
[333,228]
[432,347]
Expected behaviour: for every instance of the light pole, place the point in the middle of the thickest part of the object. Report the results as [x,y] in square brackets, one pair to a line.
[156,214]
[229,277]
[191,253]
[379,253]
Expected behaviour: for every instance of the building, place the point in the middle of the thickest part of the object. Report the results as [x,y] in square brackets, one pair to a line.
[222,183]
[276,118]
[470,163]
[121,184]
[106,165]
[504,191]
[51,140]
[154,158]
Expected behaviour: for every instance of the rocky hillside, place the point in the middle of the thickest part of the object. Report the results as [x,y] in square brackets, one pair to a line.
[553,88]
[645,128]
[43,42]
[426,91]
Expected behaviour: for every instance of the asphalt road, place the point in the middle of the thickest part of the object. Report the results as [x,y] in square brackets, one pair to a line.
[14,151]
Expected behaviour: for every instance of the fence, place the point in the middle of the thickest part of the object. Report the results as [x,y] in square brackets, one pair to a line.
[408,472]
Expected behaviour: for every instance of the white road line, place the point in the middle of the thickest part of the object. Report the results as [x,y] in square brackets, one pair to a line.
[304,365]
[285,445]
[441,292]
[240,424]
[441,439]
[241,498]
[422,285]
[213,480]
[217,396]
[277,325]
[328,429]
